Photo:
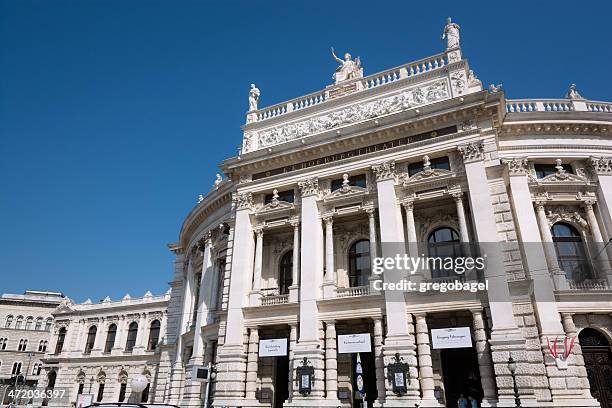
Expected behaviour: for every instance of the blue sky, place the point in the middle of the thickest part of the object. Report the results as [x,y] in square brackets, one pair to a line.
[114,114]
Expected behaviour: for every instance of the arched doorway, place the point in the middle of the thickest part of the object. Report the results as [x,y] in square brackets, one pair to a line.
[598,363]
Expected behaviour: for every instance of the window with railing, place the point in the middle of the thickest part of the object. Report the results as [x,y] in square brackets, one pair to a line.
[359,263]
[571,254]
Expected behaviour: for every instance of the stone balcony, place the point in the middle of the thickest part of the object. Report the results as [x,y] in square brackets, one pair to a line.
[556,105]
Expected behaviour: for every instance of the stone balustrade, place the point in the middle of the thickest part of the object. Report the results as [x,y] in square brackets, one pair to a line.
[556,105]
[588,285]
[274,300]
[354,291]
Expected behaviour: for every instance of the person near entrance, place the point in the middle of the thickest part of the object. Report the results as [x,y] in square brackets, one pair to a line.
[472,402]
[462,402]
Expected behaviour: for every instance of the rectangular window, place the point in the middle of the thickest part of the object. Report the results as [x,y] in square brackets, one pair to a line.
[441,163]
[358,180]
[81,387]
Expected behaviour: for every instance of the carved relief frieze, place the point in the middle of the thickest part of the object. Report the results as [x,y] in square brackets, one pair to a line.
[471,152]
[517,166]
[431,221]
[242,201]
[309,187]
[568,214]
[600,165]
[421,95]
[458,81]
[384,171]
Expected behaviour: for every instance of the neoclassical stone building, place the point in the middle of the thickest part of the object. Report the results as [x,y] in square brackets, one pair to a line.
[417,160]
[96,348]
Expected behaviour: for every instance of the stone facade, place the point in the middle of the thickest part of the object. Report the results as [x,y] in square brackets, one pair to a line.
[379,165]
[25,323]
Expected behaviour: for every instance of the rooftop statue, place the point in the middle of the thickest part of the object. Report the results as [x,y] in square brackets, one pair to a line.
[572,92]
[451,34]
[253,97]
[348,69]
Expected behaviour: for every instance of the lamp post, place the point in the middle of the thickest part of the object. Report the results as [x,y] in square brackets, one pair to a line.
[138,384]
[512,368]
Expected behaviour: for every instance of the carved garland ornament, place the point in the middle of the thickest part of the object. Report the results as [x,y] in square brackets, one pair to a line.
[384,171]
[472,151]
[517,166]
[601,165]
[419,96]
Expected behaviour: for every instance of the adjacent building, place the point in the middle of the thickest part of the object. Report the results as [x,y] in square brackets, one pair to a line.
[96,348]
[25,324]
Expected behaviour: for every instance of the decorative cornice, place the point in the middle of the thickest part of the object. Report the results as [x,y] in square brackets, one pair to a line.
[472,152]
[309,187]
[517,166]
[600,165]
[384,171]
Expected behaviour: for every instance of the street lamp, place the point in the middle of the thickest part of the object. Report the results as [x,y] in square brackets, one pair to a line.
[512,368]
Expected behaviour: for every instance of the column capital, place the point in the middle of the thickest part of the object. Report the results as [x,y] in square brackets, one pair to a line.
[370,211]
[517,166]
[243,201]
[206,240]
[295,223]
[457,195]
[328,219]
[384,171]
[408,204]
[589,203]
[331,322]
[420,315]
[539,204]
[309,187]
[600,165]
[471,152]
[258,230]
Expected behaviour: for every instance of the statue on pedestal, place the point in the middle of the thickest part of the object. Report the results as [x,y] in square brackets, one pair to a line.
[348,69]
[253,97]
[451,34]
[572,92]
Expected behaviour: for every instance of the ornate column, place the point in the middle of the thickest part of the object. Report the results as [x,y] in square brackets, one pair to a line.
[601,260]
[463,229]
[329,287]
[295,267]
[252,360]
[331,362]
[120,336]
[372,230]
[576,358]
[602,167]
[100,337]
[424,356]
[231,360]
[141,334]
[487,376]
[413,244]
[205,246]
[292,363]
[550,253]
[256,292]
[309,344]
[379,360]
[398,338]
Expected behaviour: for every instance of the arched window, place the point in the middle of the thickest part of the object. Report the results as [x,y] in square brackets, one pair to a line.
[220,280]
[131,337]
[110,338]
[3,343]
[153,335]
[9,322]
[91,339]
[37,369]
[285,274]
[42,346]
[38,325]
[443,243]
[48,324]
[19,322]
[61,336]
[29,321]
[359,263]
[16,368]
[23,345]
[570,252]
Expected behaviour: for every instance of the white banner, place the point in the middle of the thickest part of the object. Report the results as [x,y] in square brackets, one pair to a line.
[84,400]
[354,343]
[454,337]
[272,347]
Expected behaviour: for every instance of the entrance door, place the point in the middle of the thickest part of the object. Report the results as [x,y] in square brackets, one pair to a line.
[598,363]
[461,375]
[281,381]
[369,379]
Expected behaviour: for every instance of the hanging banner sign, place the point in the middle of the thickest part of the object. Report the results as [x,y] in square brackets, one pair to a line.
[354,343]
[454,337]
[272,347]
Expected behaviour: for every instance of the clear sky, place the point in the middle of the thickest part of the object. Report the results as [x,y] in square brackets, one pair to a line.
[114,114]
